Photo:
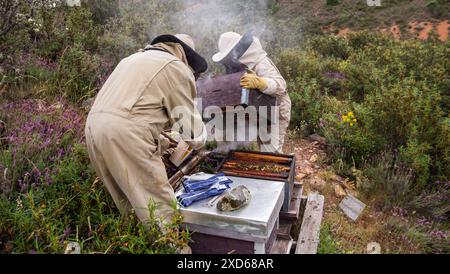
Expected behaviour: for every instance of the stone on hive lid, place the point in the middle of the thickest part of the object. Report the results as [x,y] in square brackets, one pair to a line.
[237,198]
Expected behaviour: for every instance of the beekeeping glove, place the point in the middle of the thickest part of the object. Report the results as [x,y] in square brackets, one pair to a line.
[196,185]
[187,199]
[252,81]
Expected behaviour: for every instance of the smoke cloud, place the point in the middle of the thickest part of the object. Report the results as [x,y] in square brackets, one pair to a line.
[206,20]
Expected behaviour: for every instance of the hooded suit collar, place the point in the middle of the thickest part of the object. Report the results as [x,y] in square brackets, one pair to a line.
[195,61]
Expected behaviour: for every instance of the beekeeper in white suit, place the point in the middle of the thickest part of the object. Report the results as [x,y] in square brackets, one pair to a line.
[239,52]
[146,92]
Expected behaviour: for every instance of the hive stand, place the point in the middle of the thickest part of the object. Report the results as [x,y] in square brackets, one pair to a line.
[306,212]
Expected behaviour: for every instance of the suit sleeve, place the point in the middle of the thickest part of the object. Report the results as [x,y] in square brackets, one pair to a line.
[179,102]
[275,82]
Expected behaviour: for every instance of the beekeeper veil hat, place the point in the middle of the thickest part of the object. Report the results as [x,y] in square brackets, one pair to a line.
[247,49]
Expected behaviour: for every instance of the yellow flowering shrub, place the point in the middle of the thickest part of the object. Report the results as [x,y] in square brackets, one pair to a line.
[349,119]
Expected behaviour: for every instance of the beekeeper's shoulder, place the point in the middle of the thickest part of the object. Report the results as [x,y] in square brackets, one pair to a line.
[180,69]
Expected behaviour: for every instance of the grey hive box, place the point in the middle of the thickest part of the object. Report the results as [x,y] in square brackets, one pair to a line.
[250,230]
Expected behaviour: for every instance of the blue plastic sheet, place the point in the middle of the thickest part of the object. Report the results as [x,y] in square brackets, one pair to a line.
[188,199]
[197,190]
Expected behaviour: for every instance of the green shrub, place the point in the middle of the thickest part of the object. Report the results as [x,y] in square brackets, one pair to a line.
[77,74]
[395,109]
[63,27]
[398,91]
[44,220]
[102,10]
[362,39]
[14,29]
[389,184]
[50,32]
[429,236]
[114,46]
[81,29]
[439,8]
[307,106]
[273,5]
[416,156]
[332,2]
[52,53]
[327,244]
[352,139]
[295,64]
[433,202]
[330,46]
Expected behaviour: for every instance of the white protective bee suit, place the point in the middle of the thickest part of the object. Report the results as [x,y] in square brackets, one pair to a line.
[144,94]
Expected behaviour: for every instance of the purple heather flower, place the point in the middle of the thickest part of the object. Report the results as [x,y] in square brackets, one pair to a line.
[334,75]
[40,128]
[32,251]
[67,231]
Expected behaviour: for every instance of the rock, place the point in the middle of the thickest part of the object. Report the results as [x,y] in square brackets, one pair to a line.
[373,248]
[236,199]
[339,191]
[185,250]
[349,185]
[57,105]
[307,170]
[87,104]
[314,158]
[337,178]
[72,248]
[317,182]
[352,192]
[317,138]
[300,176]
[8,247]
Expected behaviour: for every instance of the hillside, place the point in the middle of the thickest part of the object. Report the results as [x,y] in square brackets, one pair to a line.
[405,18]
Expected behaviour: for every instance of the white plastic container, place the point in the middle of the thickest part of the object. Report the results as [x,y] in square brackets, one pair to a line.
[182,152]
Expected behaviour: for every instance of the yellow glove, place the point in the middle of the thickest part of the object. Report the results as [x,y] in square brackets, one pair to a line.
[252,81]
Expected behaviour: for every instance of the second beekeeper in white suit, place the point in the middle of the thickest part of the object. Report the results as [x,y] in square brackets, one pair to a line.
[264,76]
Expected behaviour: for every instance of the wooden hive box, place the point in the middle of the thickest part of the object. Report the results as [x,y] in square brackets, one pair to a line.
[224,91]
[237,163]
